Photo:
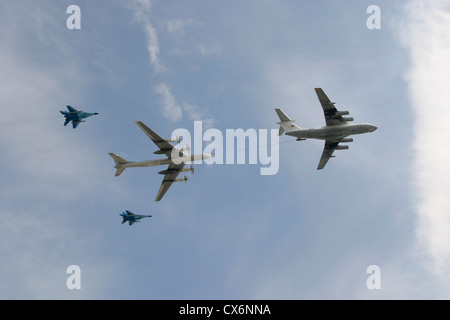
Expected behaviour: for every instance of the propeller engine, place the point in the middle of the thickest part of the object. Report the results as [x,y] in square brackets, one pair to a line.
[185,179]
[186,148]
[191,168]
[176,139]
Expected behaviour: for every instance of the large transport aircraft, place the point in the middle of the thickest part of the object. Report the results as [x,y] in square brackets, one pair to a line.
[337,128]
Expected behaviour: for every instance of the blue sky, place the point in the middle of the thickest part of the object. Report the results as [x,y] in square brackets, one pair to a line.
[230,233]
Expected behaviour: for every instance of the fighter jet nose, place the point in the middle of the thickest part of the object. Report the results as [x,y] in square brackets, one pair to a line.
[374,128]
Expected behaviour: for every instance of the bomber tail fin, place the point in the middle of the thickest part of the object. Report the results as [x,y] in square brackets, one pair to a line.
[119,163]
[286,123]
[119,171]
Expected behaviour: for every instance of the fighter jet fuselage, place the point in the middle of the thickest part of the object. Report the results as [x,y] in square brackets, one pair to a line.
[75,116]
[130,217]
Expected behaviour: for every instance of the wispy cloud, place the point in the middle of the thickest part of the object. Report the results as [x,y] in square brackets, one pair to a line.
[196,113]
[178,26]
[208,49]
[426,36]
[142,10]
[173,111]
[170,108]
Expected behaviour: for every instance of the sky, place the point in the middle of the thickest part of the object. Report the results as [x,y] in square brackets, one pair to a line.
[230,233]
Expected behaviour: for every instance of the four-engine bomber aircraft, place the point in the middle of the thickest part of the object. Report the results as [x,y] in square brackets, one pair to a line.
[166,148]
[337,128]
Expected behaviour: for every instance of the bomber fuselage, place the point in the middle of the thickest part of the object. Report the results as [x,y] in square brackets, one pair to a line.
[159,162]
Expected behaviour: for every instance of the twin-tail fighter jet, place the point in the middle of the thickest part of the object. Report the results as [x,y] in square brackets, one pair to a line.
[337,128]
[131,218]
[75,116]
[176,164]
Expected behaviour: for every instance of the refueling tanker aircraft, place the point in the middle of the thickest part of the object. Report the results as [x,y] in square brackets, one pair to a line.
[337,128]
[176,165]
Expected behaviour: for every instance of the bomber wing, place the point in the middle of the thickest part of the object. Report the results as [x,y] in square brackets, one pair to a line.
[170,177]
[332,115]
[165,147]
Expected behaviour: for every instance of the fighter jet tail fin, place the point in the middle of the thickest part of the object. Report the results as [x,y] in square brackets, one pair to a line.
[286,123]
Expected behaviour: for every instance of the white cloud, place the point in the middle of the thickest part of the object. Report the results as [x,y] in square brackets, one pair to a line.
[170,108]
[178,26]
[142,9]
[195,113]
[173,111]
[208,49]
[426,36]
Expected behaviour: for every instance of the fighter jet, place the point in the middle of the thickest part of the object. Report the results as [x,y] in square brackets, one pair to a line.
[131,217]
[176,165]
[337,128]
[75,116]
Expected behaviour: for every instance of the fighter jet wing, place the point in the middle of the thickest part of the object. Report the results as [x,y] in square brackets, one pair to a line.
[161,143]
[327,153]
[72,109]
[332,115]
[130,214]
[172,172]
